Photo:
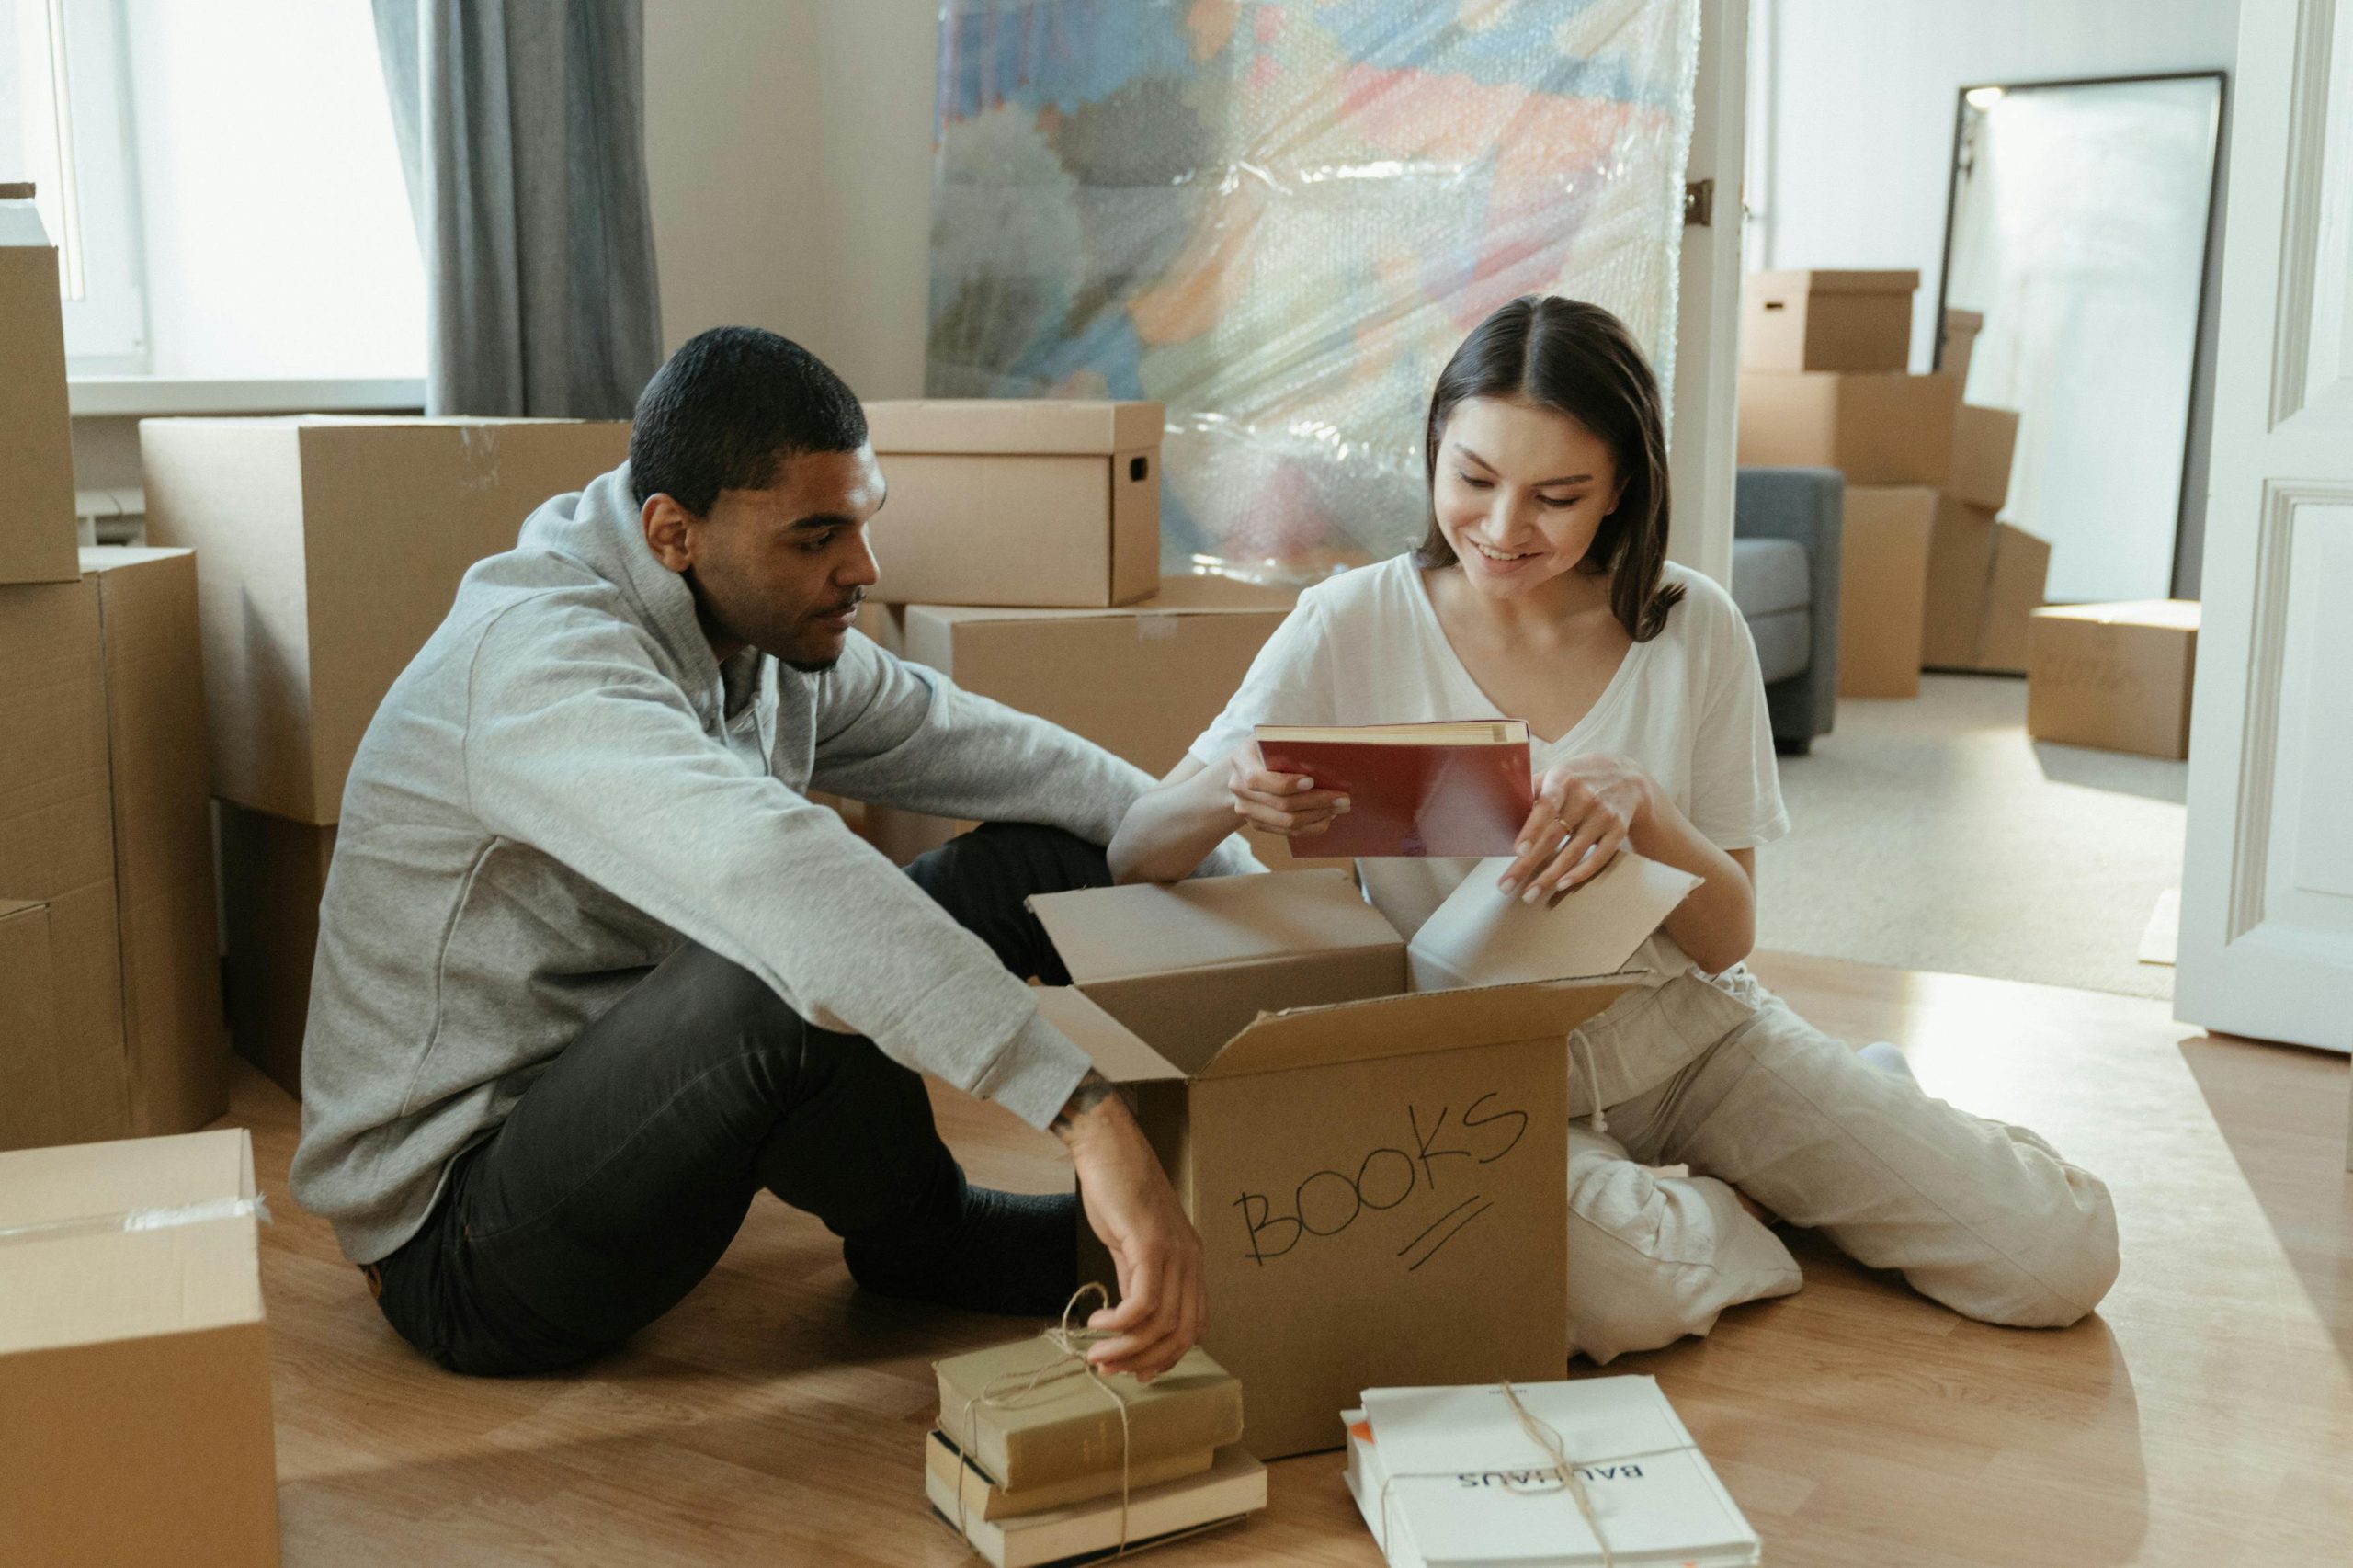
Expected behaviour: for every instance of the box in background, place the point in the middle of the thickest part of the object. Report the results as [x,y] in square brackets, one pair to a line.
[1983,440]
[273,873]
[1827,321]
[2113,676]
[1960,330]
[1018,501]
[1379,1175]
[1884,587]
[1877,428]
[57,847]
[37,523]
[327,551]
[175,1045]
[28,1010]
[134,1363]
[1984,578]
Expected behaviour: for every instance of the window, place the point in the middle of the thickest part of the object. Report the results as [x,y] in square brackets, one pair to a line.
[221,182]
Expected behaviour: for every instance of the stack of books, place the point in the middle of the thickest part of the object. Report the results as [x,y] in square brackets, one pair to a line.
[1032,1464]
[1455,1477]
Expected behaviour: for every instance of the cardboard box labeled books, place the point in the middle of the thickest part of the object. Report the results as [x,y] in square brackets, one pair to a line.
[2114,676]
[1879,429]
[134,1362]
[327,550]
[1984,579]
[1016,502]
[1983,440]
[1883,588]
[1826,321]
[57,849]
[1379,1175]
[36,525]
[273,873]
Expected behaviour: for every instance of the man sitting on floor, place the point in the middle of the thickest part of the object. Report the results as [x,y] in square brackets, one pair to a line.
[592,968]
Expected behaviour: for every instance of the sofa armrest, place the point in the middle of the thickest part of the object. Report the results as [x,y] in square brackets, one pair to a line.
[1808,506]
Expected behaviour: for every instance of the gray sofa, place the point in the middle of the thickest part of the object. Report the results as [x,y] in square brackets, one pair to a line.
[1786,527]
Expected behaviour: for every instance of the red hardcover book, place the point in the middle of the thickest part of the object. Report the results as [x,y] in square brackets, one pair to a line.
[1460,788]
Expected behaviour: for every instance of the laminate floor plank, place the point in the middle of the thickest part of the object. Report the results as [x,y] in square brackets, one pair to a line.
[2203,1417]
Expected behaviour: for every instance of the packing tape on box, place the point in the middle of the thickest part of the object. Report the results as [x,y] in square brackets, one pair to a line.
[141,1220]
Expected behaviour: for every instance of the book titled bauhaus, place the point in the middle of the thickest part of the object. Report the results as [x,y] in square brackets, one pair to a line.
[1455,788]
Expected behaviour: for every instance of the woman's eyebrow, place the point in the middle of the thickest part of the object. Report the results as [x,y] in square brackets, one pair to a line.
[1539,484]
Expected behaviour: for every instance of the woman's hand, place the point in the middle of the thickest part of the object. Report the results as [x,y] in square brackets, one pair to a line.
[1586,809]
[1287,804]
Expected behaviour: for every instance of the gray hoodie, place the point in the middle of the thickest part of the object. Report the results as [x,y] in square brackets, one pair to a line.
[564,787]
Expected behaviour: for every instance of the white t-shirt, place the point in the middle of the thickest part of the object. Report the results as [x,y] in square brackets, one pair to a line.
[1366,648]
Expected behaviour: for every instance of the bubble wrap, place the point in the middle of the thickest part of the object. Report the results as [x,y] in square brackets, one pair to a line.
[1279,219]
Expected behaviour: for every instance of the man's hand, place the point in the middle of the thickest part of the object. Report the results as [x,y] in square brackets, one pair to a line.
[1162,1305]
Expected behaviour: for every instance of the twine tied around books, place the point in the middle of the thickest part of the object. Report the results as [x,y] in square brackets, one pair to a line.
[1071,1341]
[1545,1436]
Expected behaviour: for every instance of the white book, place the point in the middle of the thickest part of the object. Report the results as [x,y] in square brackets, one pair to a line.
[1457,1470]
[1481,937]
[1366,1484]
[1234,1484]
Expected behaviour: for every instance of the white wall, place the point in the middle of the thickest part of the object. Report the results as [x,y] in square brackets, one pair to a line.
[1851,108]
[788,149]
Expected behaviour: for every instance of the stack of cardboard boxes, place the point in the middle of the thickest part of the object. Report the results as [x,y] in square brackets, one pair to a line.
[108,984]
[1928,578]
[327,551]
[1021,557]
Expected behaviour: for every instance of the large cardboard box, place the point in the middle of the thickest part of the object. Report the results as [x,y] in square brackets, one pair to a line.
[134,1360]
[1019,503]
[1826,321]
[1879,429]
[273,873]
[175,1044]
[1984,578]
[1883,588]
[57,847]
[327,551]
[1983,440]
[2114,676]
[37,527]
[1378,1175]
[29,1046]
[1156,674]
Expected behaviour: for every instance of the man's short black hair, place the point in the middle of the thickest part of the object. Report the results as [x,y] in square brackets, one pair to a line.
[729,406]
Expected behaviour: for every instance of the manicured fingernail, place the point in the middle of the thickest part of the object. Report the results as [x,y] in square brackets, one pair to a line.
[1507,885]
[1532,896]
[1520,848]
[1341,804]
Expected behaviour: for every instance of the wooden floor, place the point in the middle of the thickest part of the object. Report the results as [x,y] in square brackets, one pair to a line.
[2205,1417]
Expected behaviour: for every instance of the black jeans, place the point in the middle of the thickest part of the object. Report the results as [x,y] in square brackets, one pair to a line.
[626,1168]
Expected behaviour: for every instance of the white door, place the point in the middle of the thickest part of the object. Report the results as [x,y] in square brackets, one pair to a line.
[2267,916]
[1707,327]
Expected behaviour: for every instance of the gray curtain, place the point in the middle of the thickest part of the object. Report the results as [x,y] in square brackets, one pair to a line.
[521,129]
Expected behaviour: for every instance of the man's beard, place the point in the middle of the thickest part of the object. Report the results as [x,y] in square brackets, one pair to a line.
[813,667]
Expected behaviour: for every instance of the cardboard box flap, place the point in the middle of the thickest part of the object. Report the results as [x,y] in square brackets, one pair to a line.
[14,906]
[1116,1053]
[1057,425]
[77,1181]
[93,1287]
[1178,595]
[1416,1022]
[2172,615]
[1105,934]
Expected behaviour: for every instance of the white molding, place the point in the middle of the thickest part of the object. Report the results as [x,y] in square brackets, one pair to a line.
[2309,95]
[89,396]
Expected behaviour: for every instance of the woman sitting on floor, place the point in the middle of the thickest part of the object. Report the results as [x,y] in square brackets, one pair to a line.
[1542,592]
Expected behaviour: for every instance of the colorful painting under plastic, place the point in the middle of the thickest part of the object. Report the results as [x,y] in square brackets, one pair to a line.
[1279,218]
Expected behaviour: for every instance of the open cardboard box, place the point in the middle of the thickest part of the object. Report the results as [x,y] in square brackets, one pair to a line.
[1378,1174]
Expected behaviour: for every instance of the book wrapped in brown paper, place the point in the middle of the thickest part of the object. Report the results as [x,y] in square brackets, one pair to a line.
[1233,1486]
[1031,1415]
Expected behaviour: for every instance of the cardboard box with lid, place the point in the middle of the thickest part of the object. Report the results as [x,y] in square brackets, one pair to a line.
[1985,578]
[1983,441]
[328,550]
[1827,320]
[1017,503]
[1879,427]
[1379,1175]
[2113,676]
[1157,674]
[36,525]
[1961,329]
[134,1357]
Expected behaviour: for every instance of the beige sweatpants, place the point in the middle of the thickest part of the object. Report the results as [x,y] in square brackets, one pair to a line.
[1982,1216]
